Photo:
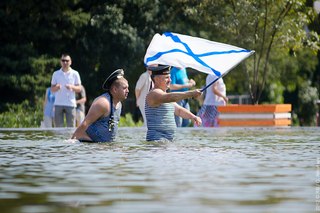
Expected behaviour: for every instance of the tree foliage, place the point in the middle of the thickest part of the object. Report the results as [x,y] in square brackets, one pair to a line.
[272,28]
[102,36]
[35,33]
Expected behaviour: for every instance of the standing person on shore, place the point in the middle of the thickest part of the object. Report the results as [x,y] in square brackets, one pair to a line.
[181,83]
[65,83]
[143,86]
[81,99]
[101,122]
[215,96]
[48,109]
[161,107]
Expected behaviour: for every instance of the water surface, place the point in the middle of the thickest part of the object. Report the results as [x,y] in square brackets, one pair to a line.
[204,170]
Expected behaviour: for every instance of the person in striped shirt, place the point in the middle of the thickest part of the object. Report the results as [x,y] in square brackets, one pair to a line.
[161,106]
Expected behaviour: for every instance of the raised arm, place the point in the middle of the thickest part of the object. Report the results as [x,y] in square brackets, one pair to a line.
[157,96]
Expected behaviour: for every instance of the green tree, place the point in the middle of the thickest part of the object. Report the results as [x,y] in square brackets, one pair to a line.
[307,105]
[270,27]
[34,35]
[105,35]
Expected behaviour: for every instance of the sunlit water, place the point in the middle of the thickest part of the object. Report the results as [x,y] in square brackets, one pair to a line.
[204,170]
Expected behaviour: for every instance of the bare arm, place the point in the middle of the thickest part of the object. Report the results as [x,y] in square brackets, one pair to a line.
[75,88]
[82,100]
[99,108]
[186,114]
[56,87]
[218,93]
[190,84]
[179,86]
[157,96]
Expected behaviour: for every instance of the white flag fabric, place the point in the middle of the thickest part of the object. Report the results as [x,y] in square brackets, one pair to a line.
[200,54]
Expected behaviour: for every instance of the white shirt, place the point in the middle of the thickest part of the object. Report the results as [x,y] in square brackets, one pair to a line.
[65,97]
[143,84]
[211,98]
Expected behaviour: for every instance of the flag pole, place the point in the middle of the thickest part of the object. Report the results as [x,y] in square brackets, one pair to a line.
[206,87]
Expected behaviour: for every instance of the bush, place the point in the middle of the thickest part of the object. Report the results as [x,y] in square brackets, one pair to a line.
[127,121]
[21,115]
[307,110]
[25,115]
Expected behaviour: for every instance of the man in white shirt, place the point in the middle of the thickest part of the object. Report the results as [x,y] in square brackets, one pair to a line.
[65,83]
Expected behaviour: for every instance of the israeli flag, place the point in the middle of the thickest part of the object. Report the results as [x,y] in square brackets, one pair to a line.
[200,54]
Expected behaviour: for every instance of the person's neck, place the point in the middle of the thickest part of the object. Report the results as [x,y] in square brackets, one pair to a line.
[115,101]
[65,69]
[162,88]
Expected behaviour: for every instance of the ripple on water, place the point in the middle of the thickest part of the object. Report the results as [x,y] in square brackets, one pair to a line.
[204,170]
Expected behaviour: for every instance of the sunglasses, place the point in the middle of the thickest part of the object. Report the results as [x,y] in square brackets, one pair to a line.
[63,60]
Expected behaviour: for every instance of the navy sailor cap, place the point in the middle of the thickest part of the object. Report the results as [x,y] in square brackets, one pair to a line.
[160,69]
[119,73]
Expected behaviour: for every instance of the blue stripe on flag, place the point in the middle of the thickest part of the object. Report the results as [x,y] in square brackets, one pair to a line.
[159,54]
[189,52]
[223,52]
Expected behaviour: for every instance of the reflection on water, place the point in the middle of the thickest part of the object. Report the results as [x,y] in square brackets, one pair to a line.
[204,170]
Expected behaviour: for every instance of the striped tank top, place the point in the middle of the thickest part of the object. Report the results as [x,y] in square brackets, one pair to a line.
[160,122]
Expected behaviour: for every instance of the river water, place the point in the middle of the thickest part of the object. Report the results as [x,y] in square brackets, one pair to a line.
[204,170]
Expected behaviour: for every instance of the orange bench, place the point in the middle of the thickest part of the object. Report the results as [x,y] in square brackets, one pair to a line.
[255,115]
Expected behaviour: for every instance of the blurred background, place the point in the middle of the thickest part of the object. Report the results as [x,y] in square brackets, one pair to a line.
[102,36]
